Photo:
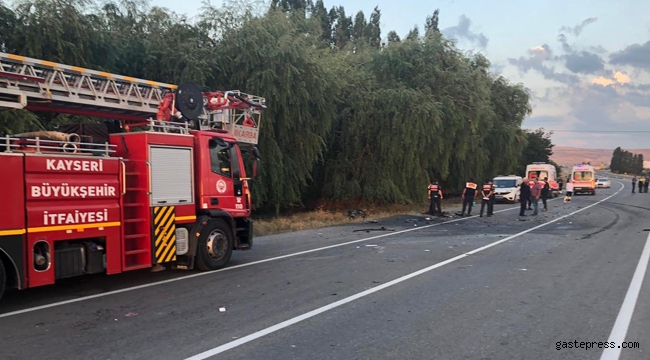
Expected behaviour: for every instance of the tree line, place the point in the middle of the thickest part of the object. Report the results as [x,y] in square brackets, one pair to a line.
[624,161]
[351,117]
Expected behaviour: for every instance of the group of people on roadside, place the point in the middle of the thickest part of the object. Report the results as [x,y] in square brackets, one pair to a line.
[531,191]
[644,182]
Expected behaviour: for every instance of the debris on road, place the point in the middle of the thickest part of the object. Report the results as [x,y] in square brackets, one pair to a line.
[383,228]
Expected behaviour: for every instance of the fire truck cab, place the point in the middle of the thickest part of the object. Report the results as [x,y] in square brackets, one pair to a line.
[145,193]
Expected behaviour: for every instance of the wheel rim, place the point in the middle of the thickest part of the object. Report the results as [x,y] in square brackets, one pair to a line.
[217,244]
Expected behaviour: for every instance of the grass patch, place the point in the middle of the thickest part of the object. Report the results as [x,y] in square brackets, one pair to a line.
[323,218]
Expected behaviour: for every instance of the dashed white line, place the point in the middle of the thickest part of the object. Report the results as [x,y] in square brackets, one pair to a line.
[256,335]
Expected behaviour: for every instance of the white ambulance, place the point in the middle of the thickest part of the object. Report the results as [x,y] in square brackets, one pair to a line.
[542,170]
[583,178]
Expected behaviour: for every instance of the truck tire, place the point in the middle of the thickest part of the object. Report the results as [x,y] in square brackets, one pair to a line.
[3,279]
[215,246]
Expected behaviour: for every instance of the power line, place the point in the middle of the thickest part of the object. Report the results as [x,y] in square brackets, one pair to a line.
[601,131]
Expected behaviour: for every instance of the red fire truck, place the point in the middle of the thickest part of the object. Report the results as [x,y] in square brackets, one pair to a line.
[162,181]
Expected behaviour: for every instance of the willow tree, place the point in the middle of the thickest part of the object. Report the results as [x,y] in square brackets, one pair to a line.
[269,56]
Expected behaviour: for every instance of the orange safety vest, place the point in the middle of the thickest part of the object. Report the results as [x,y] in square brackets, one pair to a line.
[471,185]
[434,188]
[487,187]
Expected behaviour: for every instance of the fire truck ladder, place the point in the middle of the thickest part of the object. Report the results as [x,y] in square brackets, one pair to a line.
[40,85]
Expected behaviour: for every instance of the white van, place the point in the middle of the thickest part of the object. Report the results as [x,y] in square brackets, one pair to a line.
[507,188]
[583,178]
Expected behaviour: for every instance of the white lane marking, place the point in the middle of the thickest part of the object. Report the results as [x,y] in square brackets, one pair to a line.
[627,309]
[256,335]
[143,286]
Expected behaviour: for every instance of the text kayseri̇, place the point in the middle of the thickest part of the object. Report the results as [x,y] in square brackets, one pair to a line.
[74,165]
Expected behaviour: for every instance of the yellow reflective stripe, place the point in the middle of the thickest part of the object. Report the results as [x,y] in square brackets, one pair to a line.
[77,69]
[73,227]
[49,63]
[12,232]
[186,218]
[16,57]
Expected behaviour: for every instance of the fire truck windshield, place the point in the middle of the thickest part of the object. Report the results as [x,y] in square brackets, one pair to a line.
[220,158]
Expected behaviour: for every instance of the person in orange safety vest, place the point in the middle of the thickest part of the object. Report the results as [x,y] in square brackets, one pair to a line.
[468,197]
[486,194]
[435,195]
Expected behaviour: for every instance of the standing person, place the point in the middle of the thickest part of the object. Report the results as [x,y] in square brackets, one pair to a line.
[486,193]
[531,183]
[435,195]
[535,193]
[492,199]
[559,184]
[641,184]
[633,183]
[546,188]
[468,197]
[524,196]
[645,184]
[569,191]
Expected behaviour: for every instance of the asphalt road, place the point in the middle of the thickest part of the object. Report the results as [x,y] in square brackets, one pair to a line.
[471,288]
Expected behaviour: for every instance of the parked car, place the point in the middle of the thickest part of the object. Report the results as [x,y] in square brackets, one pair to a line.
[507,188]
[603,183]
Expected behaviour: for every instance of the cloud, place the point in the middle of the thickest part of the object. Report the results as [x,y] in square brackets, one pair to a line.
[595,91]
[612,102]
[577,30]
[584,62]
[598,49]
[462,31]
[537,56]
[636,55]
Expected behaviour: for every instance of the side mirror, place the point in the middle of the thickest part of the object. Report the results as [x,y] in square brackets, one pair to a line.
[256,152]
[256,168]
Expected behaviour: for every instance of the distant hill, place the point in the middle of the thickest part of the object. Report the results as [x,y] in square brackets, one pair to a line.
[568,156]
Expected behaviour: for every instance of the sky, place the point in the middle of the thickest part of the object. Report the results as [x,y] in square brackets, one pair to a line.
[586,63]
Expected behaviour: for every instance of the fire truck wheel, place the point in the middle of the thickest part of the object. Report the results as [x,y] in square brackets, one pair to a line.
[215,246]
[3,278]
